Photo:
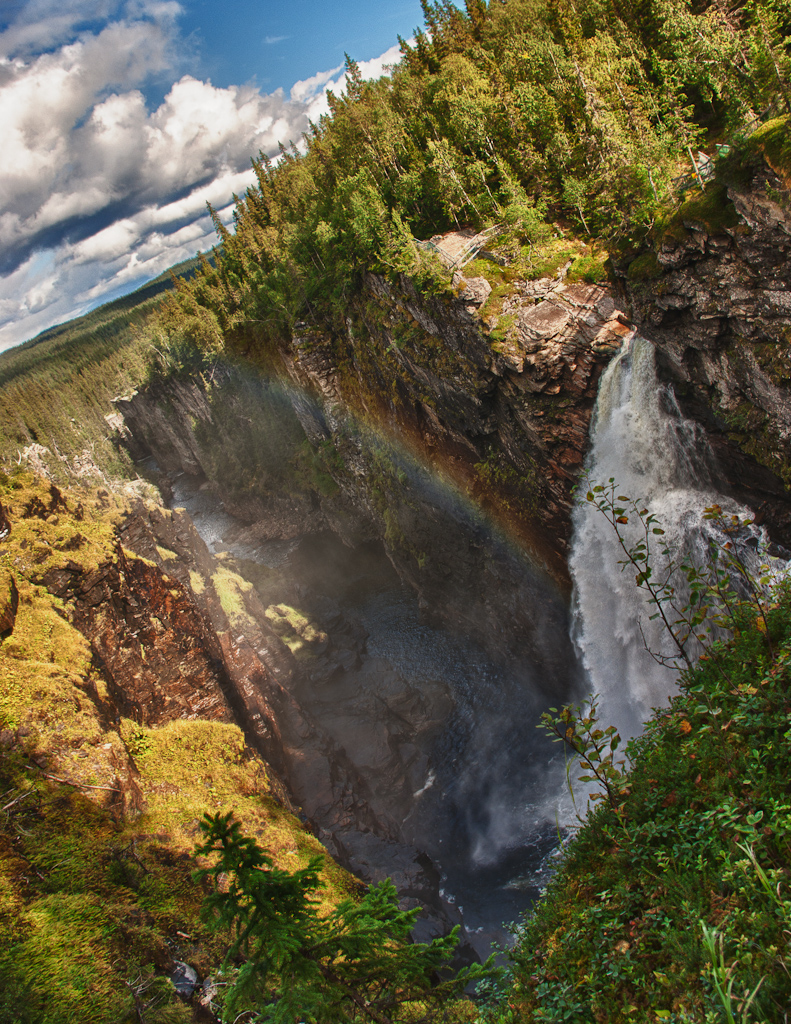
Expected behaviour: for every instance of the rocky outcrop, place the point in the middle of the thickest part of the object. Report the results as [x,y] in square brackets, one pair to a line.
[717,304]
[498,400]
[423,413]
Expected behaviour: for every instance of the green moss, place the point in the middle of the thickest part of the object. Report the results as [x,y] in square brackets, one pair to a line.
[517,492]
[710,209]
[773,140]
[231,589]
[317,466]
[294,628]
[645,268]
[197,582]
[93,900]
[504,326]
[591,269]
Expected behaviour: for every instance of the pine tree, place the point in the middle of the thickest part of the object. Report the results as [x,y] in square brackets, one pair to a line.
[290,964]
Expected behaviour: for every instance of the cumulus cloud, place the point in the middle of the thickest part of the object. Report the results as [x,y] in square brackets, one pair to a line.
[80,143]
[98,192]
[313,91]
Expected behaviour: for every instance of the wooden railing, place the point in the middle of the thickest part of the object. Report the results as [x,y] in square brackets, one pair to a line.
[467,253]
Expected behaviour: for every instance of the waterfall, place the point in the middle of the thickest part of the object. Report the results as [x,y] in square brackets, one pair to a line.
[641,440]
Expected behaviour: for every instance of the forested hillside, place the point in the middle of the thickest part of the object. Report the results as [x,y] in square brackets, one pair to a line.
[540,115]
[84,364]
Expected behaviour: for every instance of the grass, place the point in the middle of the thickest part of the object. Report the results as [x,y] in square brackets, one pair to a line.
[702,840]
[590,269]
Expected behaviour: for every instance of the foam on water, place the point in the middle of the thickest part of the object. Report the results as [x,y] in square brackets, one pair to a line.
[661,460]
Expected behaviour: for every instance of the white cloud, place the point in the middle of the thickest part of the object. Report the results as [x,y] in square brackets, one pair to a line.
[314,90]
[99,193]
[307,88]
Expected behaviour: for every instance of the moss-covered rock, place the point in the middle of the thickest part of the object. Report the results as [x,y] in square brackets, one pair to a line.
[99,812]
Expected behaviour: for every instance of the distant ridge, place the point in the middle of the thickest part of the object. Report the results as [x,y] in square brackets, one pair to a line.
[123,304]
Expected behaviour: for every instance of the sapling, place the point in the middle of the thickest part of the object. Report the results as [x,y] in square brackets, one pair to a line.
[287,962]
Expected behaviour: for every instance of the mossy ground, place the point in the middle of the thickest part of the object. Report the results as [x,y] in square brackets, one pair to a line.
[709,209]
[97,898]
[773,140]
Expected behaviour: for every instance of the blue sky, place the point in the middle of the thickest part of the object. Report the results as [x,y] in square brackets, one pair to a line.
[120,119]
[277,44]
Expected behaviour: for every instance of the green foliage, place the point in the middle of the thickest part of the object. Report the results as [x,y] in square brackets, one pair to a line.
[596,748]
[289,963]
[672,902]
[619,934]
[514,113]
[591,269]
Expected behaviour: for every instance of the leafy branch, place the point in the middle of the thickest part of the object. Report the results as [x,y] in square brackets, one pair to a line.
[695,603]
[289,963]
[596,748]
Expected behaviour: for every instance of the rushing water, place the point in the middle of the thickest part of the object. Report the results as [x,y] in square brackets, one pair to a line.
[661,460]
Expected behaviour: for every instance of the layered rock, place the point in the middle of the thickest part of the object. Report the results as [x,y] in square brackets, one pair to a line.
[717,305]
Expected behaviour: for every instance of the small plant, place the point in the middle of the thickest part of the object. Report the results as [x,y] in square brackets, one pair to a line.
[596,748]
[724,979]
[287,963]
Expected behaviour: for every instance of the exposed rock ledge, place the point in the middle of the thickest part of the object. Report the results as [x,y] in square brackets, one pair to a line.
[719,311]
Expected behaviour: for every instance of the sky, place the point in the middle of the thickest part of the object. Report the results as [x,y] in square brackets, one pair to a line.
[120,119]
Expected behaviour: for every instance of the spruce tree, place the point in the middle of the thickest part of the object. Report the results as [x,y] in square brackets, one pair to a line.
[287,963]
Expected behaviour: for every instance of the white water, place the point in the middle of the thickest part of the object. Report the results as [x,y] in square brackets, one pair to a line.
[657,458]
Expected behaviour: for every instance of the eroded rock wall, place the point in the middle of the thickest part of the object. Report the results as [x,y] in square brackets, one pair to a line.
[456,445]
[717,305]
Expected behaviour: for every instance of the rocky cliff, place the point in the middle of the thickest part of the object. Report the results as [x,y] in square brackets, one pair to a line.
[450,428]
[714,295]
[116,735]
[176,634]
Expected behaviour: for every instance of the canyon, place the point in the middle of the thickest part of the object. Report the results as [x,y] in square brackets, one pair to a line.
[425,460]
[362,556]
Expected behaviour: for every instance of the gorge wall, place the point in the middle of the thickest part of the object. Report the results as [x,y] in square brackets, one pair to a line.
[458,450]
[714,295]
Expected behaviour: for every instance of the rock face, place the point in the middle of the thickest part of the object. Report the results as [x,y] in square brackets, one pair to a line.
[448,428]
[175,633]
[718,308]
